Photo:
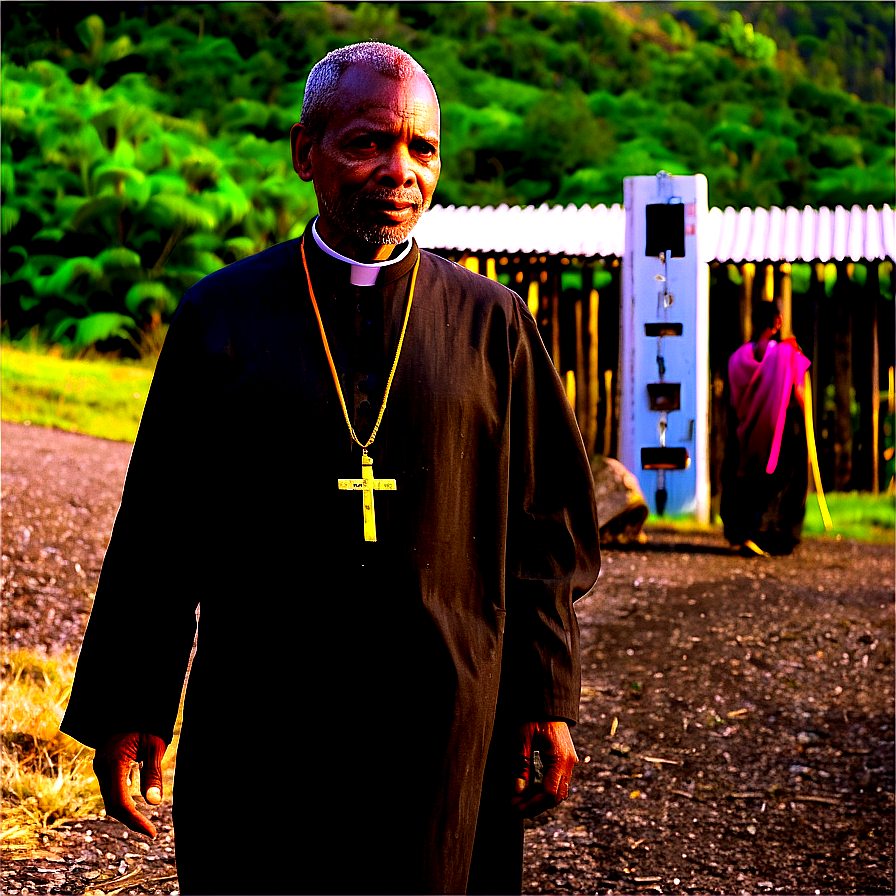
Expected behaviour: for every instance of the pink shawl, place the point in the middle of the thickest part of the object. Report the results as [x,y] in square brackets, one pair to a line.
[760,394]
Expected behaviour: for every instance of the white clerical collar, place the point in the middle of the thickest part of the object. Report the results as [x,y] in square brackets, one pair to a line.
[363,273]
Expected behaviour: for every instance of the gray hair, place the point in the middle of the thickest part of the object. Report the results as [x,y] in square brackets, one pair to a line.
[320,88]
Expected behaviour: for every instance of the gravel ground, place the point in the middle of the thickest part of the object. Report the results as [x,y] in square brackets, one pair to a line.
[737,715]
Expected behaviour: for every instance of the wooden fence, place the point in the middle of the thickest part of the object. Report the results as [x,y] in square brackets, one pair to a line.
[842,315]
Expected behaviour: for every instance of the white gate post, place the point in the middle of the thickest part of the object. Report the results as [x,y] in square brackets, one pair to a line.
[664,343]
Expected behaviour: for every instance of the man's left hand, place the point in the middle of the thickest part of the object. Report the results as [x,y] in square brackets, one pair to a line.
[558,757]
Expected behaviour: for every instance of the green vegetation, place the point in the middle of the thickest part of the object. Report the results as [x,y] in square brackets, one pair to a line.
[858,515]
[146,145]
[96,398]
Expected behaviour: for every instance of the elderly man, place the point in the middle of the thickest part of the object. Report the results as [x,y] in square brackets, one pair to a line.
[359,457]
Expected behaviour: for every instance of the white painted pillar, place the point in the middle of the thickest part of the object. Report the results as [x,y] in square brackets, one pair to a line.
[660,289]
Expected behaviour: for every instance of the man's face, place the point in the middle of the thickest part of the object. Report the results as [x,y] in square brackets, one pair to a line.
[377,164]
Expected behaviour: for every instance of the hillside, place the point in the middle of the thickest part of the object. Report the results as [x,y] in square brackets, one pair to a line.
[145,146]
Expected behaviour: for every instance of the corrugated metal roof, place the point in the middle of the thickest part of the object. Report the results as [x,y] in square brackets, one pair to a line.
[729,234]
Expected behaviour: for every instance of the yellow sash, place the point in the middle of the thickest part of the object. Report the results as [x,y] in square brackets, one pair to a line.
[813,454]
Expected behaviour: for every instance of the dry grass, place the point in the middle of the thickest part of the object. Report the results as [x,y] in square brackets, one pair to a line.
[46,777]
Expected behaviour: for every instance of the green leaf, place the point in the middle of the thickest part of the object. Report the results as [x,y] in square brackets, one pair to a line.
[118,49]
[114,174]
[199,167]
[70,270]
[201,242]
[800,276]
[68,206]
[101,207]
[179,211]
[213,53]
[95,328]
[12,117]
[243,113]
[195,129]
[167,182]
[118,258]
[146,234]
[49,73]
[240,246]
[150,154]
[37,266]
[120,124]
[137,193]
[88,145]
[859,274]
[123,154]
[207,262]
[228,204]
[150,291]
[9,217]
[26,303]
[7,178]
[91,32]
[53,234]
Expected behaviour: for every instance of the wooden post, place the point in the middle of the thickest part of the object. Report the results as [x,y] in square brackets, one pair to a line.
[816,289]
[872,290]
[533,300]
[768,289]
[517,276]
[593,371]
[581,405]
[609,415]
[786,296]
[747,272]
[843,378]
[862,316]
[553,292]
[570,380]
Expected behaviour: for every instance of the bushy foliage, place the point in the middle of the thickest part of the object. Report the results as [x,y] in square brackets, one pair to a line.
[144,146]
[115,202]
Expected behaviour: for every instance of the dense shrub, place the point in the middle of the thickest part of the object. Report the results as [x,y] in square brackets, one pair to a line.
[145,145]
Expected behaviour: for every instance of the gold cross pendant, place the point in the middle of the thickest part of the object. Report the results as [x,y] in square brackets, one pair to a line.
[367,485]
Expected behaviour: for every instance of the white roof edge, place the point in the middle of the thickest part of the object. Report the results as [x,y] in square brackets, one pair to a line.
[737,235]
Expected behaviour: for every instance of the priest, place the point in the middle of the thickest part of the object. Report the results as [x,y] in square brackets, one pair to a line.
[359,459]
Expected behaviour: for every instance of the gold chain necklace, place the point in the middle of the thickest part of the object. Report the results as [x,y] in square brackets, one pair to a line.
[367,484]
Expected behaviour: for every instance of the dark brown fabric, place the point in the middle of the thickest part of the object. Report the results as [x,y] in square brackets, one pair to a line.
[343,694]
[767,508]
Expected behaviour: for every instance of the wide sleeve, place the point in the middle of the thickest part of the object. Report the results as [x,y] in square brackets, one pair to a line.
[136,649]
[553,548]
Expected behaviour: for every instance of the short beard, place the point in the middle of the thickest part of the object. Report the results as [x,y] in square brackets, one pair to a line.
[347,217]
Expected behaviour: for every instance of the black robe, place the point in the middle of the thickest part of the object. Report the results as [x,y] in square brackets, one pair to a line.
[768,509]
[765,508]
[342,699]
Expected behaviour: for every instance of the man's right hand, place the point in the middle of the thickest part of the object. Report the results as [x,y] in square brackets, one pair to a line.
[112,766]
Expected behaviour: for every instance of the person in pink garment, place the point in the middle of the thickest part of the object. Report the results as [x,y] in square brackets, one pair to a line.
[765,474]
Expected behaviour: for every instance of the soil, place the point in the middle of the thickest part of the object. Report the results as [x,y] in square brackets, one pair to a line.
[736,733]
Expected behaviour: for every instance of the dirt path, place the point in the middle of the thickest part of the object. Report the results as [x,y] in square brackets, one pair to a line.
[737,715]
